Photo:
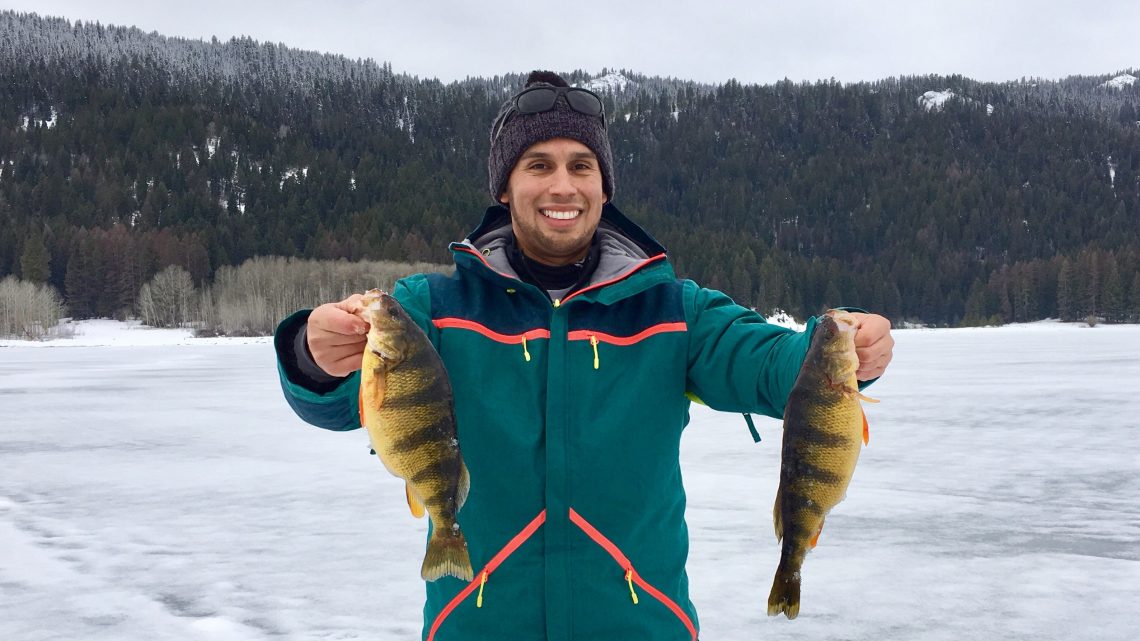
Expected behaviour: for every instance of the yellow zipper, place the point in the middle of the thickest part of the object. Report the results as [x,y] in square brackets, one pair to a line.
[482,582]
[629,580]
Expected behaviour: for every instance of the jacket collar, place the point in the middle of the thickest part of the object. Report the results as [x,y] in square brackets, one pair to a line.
[498,216]
[625,247]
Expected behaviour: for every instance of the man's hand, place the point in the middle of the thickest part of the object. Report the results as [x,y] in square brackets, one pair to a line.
[873,344]
[336,335]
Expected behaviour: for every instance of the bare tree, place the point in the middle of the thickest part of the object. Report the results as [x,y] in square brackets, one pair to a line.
[168,299]
[28,310]
[249,300]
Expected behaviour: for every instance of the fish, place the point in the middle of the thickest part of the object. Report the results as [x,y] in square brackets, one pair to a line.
[407,407]
[824,430]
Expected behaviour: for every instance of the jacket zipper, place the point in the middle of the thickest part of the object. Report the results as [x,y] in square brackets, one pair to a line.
[631,575]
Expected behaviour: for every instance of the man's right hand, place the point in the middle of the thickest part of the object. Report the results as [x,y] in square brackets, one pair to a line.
[336,334]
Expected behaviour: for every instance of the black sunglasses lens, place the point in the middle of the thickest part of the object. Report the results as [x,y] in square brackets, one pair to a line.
[584,102]
[536,100]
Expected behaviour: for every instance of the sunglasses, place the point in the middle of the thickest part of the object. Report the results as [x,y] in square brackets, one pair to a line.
[540,99]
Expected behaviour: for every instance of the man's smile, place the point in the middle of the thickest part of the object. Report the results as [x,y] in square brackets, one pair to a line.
[558,214]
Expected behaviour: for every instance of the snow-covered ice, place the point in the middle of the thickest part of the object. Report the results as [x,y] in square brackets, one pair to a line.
[157,487]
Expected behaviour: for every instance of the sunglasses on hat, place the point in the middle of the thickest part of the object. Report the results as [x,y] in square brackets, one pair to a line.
[540,99]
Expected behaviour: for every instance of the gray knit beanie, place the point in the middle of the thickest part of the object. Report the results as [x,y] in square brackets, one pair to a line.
[520,131]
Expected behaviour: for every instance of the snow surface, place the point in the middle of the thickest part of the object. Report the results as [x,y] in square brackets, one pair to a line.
[157,487]
[1120,82]
[610,82]
[935,100]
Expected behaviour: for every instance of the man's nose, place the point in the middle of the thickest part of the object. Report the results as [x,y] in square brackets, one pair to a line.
[562,182]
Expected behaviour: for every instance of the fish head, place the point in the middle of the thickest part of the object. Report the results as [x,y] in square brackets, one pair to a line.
[840,361]
[389,326]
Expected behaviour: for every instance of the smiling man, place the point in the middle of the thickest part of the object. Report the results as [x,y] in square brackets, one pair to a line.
[572,350]
[555,195]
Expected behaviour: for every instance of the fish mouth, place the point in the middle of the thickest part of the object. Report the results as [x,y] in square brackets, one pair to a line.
[844,321]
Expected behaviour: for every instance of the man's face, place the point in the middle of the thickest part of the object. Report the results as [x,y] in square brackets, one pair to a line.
[555,195]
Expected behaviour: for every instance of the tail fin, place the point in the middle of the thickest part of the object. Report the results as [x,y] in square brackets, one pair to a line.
[447,556]
[785,595]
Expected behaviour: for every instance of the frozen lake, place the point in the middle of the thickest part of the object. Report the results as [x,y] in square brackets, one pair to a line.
[156,491]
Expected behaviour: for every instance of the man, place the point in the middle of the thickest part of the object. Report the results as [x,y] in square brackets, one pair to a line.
[570,346]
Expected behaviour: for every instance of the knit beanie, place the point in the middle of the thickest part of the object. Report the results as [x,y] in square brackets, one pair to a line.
[513,133]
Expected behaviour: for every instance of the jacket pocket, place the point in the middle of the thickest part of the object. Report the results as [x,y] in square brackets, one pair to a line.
[481,578]
[630,573]
[595,337]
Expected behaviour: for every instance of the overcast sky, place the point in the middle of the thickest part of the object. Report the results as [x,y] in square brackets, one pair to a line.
[754,41]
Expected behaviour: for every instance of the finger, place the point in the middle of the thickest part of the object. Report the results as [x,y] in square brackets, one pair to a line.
[334,319]
[329,339]
[870,329]
[339,364]
[875,351]
[327,355]
[345,366]
[873,369]
[353,305]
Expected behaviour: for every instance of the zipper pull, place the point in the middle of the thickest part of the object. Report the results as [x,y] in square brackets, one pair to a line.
[526,354]
[629,580]
[482,582]
[594,344]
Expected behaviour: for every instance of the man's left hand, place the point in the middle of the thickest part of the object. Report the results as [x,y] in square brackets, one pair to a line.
[873,344]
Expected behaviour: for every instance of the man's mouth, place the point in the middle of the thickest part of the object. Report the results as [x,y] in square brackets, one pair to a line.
[561,215]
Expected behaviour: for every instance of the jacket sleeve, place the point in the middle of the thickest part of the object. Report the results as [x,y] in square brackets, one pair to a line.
[331,409]
[336,407]
[739,362]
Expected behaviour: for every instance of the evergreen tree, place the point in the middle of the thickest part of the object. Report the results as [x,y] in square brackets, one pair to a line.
[1067,309]
[1133,300]
[1112,293]
[35,263]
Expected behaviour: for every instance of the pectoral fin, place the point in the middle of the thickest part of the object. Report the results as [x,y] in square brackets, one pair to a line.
[373,386]
[866,427]
[815,539]
[414,503]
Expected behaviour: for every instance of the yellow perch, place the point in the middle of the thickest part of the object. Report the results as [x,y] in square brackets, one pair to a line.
[407,407]
[824,429]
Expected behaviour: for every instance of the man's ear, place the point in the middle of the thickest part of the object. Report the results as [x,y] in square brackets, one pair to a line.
[503,198]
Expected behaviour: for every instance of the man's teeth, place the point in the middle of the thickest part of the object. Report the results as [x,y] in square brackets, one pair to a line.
[561,215]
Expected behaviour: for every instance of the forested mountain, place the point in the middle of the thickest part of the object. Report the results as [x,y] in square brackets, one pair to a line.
[934,198]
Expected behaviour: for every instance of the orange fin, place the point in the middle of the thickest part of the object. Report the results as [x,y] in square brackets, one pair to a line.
[815,539]
[866,427]
[414,503]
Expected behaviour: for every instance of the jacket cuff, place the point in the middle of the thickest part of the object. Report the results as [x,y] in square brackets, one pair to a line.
[291,344]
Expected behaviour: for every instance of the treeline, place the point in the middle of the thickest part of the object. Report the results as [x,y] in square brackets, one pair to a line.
[245,300]
[123,153]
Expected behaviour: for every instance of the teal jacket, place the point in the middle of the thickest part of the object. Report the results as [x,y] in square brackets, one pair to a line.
[570,415]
